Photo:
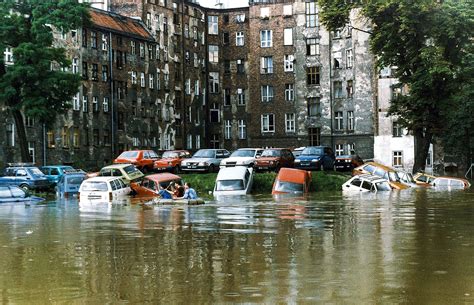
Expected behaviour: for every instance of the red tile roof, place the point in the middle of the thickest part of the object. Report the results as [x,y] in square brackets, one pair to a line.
[119,23]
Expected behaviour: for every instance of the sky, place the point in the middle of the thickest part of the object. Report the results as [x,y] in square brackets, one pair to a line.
[227,3]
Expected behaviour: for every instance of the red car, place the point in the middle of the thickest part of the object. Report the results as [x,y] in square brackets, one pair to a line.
[149,186]
[273,159]
[292,181]
[171,160]
[142,159]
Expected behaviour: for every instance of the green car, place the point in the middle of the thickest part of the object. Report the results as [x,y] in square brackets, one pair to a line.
[128,172]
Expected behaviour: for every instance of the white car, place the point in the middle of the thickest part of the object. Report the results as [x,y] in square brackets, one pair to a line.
[366,183]
[234,181]
[242,157]
[103,189]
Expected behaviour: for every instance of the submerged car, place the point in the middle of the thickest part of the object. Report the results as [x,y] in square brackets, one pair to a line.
[407,179]
[150,185]
[142,159]
[171,160]
[103,189]
[366,183]
[451,183]
[347,162]
[236,180]
[55,172]
[315,158]
[16,194]
[127,172]
[274,158]
[242,157]
[69,183]
[290,180]
[27,177]
[382,171]
[205,160]
[424,178]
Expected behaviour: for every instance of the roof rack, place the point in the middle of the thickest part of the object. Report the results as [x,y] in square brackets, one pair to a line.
[70,171]
[17,164]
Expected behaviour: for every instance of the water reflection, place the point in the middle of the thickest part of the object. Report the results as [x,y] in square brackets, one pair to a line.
[392,247]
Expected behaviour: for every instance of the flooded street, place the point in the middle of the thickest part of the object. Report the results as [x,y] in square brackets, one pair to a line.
[415,246]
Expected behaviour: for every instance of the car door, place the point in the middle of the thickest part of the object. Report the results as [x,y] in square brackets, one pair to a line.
[21,177]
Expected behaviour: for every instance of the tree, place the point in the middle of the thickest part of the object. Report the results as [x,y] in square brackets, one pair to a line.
[30,85]
[428,41]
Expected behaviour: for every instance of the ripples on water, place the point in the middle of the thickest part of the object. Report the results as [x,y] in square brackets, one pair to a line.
[399,247]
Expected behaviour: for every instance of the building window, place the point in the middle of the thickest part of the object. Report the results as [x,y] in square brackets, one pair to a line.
[266,65]
[226,97]
[187,86]
[339,149]
[240,18]
[289,92]
[95,104]
[311,14]
[242,130]
[213,53]
[227,130]
[198,141]
[351,148]
[350,120]
[31,151]
[313,77]
[75,65]
[76,105]
[8,56]
[239,39]
[289,63]
[225,38]
[397,158]
[240,66]
[105,73]
[142,50]
[264,12]
[213,25]
[350,88]
[266,39]
[314,136]
[290,122]
[267,93]
[11,134]
[349,58]
[312,46]
[142,79]
[134,77]
[85,104]
[51,140]
[84,70]
[214,82]
[215,113]
[240,97]
[104,43]
[95,72]
[196,88]
[65,137]
[287,10]
[133,47]
[288,37]
[189,141]
[338,120]
[397,129]
[314,107]
[337,89]
[94,40]
[151,81]
[215,142]
[268,122]
[105,104]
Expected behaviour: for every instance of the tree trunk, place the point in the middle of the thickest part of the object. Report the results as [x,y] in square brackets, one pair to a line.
[23,142]
[422,146]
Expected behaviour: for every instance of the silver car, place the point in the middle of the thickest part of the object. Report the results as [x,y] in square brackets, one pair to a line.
[205,160]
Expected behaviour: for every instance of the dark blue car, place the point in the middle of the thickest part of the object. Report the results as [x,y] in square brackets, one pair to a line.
[316,158]
[16,194]
[55,172]
[69,183]
[25,176]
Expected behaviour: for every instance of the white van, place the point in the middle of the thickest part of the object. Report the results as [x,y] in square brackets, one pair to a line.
[234,181]
[366,183]
[103,189]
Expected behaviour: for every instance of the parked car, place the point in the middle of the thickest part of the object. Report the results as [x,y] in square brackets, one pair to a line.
[26,176]
[69,183]
[316,158]
[424,178]
[347,162]
[236,180]
[242,157]
[150,185]
[407,179]
[205,160]
[366,183]
[382,171]
[451,183]
[127,172]
[16,194]
[274,158]
[55,172]
[291,180]
[171,160]
[143,159]
[103,189]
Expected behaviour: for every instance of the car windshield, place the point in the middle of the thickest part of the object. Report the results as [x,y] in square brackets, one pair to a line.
[290,187]
[35,172]
[170,154]
[129,154]
[130,169]
[271,153]
[383,186]
[74,180]
[243,153]
[204,154]
[230,185]
[89,186]
[312,151]
[393,177]
[406,177]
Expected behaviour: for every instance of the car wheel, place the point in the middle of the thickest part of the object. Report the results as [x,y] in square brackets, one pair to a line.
[212,168]
[25,187]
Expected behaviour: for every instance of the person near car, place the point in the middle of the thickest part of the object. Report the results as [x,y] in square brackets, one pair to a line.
[178,190]
[164,193]
[189,192]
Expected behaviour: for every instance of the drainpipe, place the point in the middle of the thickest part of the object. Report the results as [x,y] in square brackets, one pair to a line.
[112,98]
[331,100]
[184,139]
[44,144]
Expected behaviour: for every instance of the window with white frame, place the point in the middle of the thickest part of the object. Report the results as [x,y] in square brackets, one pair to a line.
[312,46]
[187,86]
[227,101]
[105,104]
[76,105]
[242,129]
[311,14]
[397,158]
[151,81]
[213,82]
[337,89]
[142,50]
[288,37]
[134,77]
[75,65]
[240,97]
[397,129]
[240,18]
[85,103]
[31,151]
[133,47]
[290,122]
[189,143]
[350,120]
[228,129]
[198,141]
[214,113]
[338,120]
[350,88]
[339,149]
[349,58]
[266,38]
[196,88]
[240,63]
[289,63]
[239,39]
[213,25]
[267,93]
[268,122]
[213,53]
[95,104]
[104,42]
[8,55]
[314,107]
[266,65]
[351,148]
[158,79]
[142,80]
[264,12]
[289,92]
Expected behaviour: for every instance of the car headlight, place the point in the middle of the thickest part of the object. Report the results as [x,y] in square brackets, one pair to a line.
[315,160]
[184,163]
[297,160]
[203,164]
